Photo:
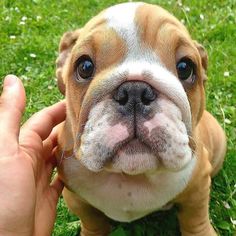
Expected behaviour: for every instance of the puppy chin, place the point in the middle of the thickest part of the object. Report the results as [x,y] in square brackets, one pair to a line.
[133,158]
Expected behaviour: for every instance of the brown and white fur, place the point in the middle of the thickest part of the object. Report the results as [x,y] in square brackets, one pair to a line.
[124,167]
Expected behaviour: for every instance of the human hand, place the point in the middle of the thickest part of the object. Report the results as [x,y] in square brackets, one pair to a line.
[28,199]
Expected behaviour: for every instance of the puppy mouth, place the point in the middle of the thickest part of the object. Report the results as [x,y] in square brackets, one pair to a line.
[132,158]
[134,146]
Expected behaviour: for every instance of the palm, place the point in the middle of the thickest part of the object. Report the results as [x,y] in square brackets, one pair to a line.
[28,199]
[18,197]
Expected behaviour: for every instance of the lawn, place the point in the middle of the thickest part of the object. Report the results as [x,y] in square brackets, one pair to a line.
[29,35]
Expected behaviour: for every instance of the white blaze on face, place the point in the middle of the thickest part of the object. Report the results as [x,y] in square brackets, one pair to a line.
[140,59]
[125,27]
[121,19]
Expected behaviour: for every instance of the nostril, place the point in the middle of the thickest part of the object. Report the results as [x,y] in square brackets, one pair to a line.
[148,96]
[122,97]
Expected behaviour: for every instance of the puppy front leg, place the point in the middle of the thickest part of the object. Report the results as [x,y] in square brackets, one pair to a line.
[93,222]
[193,213]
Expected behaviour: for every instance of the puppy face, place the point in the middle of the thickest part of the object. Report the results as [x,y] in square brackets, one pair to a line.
[134,90]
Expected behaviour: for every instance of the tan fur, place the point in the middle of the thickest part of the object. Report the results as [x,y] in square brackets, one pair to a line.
[211,147]
[208,139]
[94,222]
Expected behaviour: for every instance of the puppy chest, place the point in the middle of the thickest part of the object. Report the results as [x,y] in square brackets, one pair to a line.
[121,197]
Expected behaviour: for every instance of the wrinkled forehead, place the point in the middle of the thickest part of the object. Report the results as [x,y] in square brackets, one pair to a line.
[134,24]
[128,18]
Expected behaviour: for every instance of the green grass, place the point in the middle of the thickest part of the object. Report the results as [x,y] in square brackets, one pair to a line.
[40,33]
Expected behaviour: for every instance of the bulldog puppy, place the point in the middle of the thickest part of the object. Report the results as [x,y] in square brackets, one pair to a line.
[137,136]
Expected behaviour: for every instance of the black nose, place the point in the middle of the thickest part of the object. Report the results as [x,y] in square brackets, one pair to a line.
[134,95]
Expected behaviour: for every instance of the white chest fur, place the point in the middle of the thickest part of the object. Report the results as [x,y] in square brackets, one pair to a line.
[125,198]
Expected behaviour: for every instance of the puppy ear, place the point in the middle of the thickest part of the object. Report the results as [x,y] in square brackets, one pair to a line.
[204,59]
[66,44]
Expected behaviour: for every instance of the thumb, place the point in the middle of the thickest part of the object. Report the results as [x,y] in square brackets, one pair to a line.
[12,104]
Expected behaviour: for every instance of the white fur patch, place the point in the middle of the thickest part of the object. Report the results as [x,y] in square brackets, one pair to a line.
[125,27]
[121,18]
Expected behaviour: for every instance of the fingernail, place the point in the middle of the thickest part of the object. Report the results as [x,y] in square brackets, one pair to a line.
[10,80]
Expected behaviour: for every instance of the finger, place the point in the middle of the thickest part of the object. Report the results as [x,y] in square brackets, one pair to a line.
[50,143]
[50,164]
[40,125]
[12,105]
[57,187]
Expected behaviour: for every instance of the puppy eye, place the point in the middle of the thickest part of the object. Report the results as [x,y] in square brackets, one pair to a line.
[85,67]
[186,69]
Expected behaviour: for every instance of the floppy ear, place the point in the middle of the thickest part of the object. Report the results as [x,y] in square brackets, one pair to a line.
[204,59]
[66,44]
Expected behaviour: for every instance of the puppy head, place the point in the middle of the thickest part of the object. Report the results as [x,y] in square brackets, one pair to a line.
[134,90]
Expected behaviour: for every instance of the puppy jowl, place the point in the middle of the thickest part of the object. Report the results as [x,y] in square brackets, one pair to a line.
[136,120]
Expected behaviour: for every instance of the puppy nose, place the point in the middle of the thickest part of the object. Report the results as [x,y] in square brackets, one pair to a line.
[132,95]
